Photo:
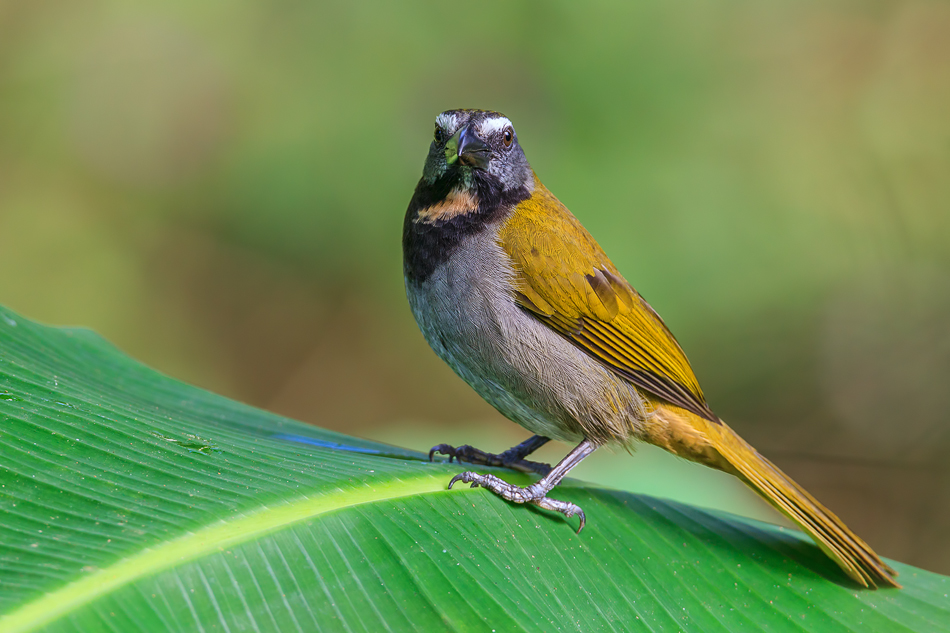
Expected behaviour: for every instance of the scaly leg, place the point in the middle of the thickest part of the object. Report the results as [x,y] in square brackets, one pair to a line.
[536,492]
[513,458]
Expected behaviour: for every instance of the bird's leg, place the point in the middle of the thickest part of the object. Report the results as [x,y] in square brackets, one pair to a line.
[513,458]
[536,492]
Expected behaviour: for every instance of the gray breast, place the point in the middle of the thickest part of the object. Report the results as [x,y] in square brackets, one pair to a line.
[532,375]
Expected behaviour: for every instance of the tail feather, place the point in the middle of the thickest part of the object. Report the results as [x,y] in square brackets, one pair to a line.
[842,545]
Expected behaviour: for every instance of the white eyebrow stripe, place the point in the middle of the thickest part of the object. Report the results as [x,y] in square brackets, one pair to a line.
[489,126]
[446,121]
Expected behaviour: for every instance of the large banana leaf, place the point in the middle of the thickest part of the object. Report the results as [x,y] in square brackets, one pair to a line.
[130,501]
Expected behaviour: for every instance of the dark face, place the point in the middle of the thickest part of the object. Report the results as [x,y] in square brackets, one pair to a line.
[476,149]
[475,173]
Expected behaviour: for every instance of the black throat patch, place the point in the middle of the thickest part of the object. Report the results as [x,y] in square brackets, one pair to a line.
[440,215]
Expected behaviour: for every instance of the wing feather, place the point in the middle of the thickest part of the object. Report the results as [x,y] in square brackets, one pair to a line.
[564,279]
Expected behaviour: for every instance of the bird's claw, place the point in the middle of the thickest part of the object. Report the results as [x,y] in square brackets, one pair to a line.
[444,449]
[533,494]
[466,453]
[455,479]
[473,455]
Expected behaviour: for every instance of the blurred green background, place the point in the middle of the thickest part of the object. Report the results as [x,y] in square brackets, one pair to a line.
[219,187]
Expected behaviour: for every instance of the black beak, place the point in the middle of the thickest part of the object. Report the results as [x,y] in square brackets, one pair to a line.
[468,149]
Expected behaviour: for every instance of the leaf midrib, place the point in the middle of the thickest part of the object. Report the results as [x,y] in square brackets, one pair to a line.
[221,535]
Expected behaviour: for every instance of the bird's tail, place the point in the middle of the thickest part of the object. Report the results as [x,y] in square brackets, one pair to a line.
[725,450]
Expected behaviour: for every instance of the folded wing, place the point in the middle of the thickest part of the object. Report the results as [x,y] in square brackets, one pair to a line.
[565,280]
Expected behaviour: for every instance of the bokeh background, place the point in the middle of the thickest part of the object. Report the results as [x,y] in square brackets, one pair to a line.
[218,188]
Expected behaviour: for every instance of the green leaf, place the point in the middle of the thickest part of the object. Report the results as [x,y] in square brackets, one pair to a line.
[130,501]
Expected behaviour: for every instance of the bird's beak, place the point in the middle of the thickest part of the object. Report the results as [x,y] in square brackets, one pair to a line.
[467,149]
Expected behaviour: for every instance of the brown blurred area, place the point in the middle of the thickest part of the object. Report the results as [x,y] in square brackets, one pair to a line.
[219,189]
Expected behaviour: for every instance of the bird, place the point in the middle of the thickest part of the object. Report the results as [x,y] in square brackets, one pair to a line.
[514,294]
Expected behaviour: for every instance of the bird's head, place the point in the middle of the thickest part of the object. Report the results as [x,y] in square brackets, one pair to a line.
[477,152]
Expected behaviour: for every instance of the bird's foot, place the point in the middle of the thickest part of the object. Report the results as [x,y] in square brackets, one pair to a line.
[535,493]
[508,459]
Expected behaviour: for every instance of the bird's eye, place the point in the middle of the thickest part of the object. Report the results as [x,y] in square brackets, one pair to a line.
[439,135]
[508,136]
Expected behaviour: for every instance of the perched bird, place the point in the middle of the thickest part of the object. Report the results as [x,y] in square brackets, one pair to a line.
[516,296]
